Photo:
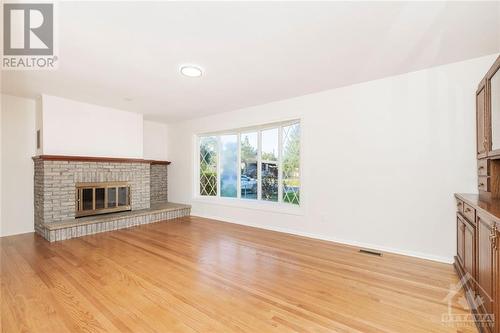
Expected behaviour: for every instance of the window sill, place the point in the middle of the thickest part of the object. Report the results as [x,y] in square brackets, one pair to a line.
[273,207]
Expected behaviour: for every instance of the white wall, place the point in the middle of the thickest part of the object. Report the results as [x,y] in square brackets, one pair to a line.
[381,160]
[114,133]
[18,145]
[1,161]
[155,141]
[76,128]
[39,123]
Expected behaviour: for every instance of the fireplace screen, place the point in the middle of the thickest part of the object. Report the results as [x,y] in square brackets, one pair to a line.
[100,198]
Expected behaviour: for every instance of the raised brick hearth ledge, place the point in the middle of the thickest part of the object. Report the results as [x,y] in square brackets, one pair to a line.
[71,228]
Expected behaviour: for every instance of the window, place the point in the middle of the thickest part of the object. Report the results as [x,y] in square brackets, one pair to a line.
[269,164]
[252,164]
[208,166]
[249,147]
[291,163]
[229,166]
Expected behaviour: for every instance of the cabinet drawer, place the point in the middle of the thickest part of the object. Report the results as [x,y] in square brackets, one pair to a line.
[460,206]
[469,213]
[483,167]
[483,183]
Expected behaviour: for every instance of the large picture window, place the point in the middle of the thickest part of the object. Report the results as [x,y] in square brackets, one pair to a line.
[252,164]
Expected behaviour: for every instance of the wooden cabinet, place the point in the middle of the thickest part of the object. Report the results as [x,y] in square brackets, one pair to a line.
[466,245]
[483,183]
[478,240]
[470,249]
[492,109]
[478,215]
[469,213]
[460,240]
[483,167]
[482,139]
[496,277]
[488,113]
[486,262]
[488,133]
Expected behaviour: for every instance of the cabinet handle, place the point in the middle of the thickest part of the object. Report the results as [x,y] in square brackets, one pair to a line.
[467,210]
[481,184]
[481,167]
[494,237]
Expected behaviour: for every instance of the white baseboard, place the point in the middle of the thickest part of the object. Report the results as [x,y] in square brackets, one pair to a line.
[20,232]
[419,255]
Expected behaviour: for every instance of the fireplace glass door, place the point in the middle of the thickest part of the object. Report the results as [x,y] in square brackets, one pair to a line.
[100,198]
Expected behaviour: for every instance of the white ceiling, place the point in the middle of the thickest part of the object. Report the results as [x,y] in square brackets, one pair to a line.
[252,52]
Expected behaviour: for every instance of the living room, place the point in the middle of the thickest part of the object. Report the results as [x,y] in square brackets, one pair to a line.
[250,166]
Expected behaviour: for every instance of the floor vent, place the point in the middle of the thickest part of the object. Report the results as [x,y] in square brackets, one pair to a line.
[372,252]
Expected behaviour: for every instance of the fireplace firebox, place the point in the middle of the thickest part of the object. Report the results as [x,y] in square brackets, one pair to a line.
[102,198]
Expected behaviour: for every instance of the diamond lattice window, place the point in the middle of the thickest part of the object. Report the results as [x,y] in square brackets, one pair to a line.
[208,166]
[291,164]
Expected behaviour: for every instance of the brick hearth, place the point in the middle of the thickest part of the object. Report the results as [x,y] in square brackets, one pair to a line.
[54,193]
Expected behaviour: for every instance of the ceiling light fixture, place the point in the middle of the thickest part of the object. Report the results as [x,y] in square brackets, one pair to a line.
[191,71]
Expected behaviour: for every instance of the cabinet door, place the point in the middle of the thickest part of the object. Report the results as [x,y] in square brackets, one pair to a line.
[470,249]
[496,277]
[493,107]
[482,141]
[460,240]
[486,263]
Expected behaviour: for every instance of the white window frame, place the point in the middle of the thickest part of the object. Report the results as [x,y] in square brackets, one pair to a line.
[252,203]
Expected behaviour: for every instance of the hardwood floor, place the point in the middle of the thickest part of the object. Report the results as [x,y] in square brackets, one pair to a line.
[200,275]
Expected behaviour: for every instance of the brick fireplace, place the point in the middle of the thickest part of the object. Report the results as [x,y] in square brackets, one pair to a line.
[60,182]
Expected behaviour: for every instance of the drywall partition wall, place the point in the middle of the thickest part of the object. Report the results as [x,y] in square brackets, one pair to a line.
[18,145]
[1,162]
[380,160]
[155,140]
[76,128]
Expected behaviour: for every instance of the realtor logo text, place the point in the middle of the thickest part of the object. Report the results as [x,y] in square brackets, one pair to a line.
[28,37]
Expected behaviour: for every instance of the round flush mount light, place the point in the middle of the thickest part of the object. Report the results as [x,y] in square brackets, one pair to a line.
[191,71]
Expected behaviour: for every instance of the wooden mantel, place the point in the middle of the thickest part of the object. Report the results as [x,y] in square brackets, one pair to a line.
[97,159]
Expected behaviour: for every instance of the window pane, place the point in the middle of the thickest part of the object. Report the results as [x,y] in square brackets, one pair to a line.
[270,145]
[208,166]
[87,194]
[111,197]
[291,164]
[269,158]
[249,146]
[229,166]
[122,196]
[99,198]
